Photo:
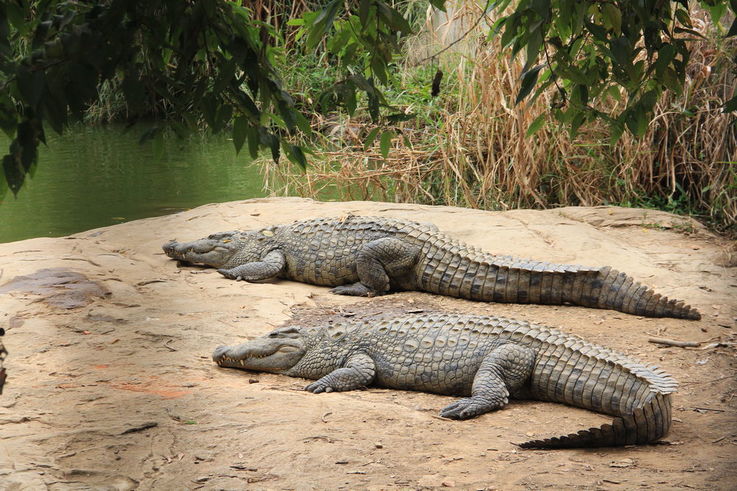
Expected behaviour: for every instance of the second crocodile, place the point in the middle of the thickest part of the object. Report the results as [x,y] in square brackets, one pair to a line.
[486,359]
[366,256]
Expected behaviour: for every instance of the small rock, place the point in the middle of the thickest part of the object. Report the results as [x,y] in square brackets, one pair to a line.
[622,463]
[378,445]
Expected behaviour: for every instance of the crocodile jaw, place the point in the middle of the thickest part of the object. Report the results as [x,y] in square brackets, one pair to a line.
[215,250]
[277,352]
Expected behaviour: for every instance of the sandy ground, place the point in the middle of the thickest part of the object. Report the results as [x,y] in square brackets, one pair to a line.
[111,385]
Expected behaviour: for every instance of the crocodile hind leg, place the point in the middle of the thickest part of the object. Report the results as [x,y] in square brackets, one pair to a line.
[502,373]
[377,263]
[358,372]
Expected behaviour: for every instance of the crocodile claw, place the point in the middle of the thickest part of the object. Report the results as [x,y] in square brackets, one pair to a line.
[355,290]
[229,275]
[465,409]
[318,387]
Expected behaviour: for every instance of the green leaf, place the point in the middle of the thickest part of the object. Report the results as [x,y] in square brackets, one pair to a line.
[528,82]
[580,95]
[622,51]
[399,117]
[578,119]
[636,121]
[648,100]
[598,31]
[670,80]
[615,131]
[373,106]
[252,134]
[371,137]
[717,10]
[363,11]
[240,130]
[30,85]
[535,125]
[730,105]
[386,142]
[8,116]
[392,18]
[378,68]
[534,43]
[438,4]
[302,123]
[612,17]
[689,31]
[322,23]
[55,112]
[296,155]
[13,175]
[666,53]
[683,17]
[541,8]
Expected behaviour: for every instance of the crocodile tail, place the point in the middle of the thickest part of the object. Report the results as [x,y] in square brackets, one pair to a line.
[468,273]
[647,423]
[609,289]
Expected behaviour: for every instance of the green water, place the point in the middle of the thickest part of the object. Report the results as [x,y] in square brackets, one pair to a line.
[97,176]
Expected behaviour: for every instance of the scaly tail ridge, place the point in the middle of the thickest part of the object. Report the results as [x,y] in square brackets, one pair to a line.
[454,271]
[620,292]
[646,424]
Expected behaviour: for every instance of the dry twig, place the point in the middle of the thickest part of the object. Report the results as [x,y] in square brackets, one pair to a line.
[672,342]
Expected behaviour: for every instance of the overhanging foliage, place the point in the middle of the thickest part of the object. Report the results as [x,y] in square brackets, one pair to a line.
[210,61]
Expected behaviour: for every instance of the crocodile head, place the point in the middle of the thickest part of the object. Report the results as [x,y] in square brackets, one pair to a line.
[218,250]
[276,352]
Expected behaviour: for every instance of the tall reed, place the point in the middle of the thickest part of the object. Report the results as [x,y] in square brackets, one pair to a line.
[473,150]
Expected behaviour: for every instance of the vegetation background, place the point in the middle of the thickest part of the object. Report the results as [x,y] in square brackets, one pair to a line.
[400,101]
[471,145]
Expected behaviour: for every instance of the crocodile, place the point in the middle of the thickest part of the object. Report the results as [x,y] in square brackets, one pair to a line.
[367,256]
[485,359]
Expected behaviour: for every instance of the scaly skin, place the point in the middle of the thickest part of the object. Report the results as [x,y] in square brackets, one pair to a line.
[368,256]
[486,360]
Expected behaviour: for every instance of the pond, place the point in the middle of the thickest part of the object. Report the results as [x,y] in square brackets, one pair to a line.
[96,176]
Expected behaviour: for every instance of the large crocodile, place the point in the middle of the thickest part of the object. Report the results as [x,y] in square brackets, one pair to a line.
[368,256]
[485,359]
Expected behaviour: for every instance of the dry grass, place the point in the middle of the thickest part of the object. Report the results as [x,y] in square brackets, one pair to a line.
[478,155]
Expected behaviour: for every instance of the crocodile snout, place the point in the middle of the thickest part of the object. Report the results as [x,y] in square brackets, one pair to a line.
[169,247]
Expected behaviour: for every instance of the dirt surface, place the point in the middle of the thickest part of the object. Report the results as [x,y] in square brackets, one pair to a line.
[110,382]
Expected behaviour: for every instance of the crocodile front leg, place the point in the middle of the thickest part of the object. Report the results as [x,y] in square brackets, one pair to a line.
[358,372]
[269,267]
[502,372]
[377,262]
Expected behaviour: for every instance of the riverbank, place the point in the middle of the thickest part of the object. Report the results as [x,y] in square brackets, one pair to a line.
[110,381]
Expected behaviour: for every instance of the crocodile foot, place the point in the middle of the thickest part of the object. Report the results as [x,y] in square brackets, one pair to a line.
[318,387]
[355,290]
[468,407]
